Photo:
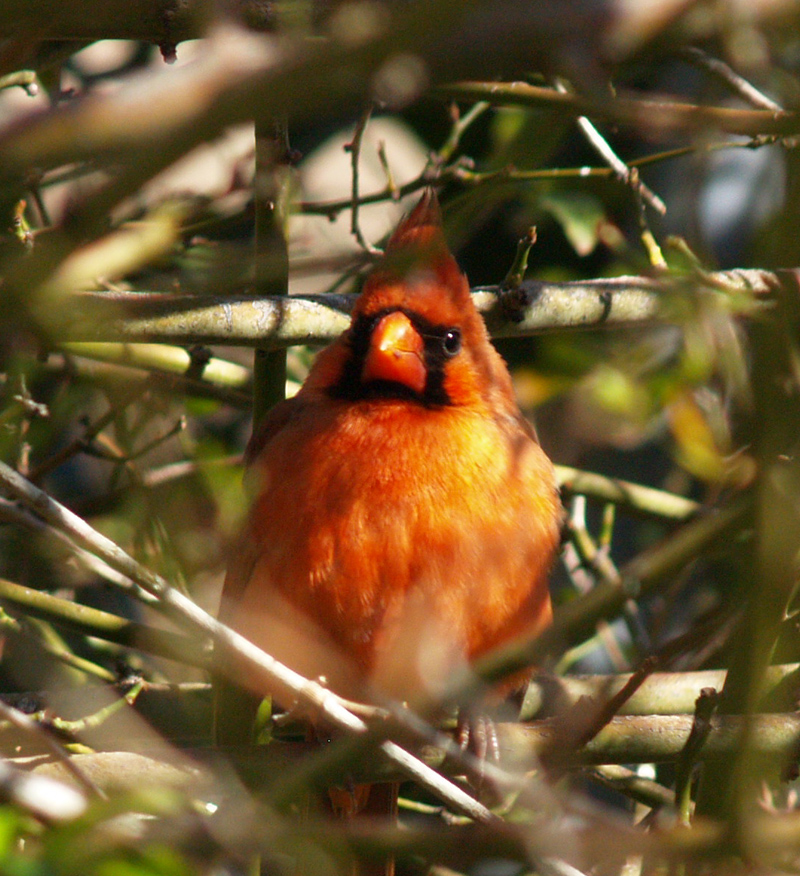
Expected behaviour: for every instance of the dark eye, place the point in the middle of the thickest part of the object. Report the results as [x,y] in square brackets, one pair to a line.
[451,342]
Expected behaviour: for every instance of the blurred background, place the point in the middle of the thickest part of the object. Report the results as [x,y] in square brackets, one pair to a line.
[208,152]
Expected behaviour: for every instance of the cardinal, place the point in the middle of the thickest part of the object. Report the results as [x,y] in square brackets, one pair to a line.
[404,516]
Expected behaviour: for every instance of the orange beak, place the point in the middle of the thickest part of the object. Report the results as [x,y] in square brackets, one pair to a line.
[396,353]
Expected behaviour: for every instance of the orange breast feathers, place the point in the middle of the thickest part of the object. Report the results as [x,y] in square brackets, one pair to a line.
[404,518]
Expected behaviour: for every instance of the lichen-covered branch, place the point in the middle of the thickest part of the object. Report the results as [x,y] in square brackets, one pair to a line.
[275,322]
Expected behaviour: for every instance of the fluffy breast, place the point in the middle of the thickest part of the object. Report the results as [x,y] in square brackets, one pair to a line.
[393,573]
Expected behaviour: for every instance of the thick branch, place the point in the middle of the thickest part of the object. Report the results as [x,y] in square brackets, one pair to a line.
[662,693]
[272,323]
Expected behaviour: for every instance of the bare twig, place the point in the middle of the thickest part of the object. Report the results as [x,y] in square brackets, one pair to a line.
[623,173]
[50,644]
[655,116]
[354,148]
[91,431]
[701,727]
[103,625]
[461,123]
[738,84]
[638,499]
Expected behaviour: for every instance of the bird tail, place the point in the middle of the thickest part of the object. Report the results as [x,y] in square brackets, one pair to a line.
[376,802]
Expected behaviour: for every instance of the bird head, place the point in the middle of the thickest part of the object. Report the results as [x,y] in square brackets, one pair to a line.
[415,333]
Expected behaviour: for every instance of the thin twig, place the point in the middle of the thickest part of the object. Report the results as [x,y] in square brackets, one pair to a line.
[655,116]
[354,148]
[623,173]
[461,123]
[583,721]
[98,718]
[51,646]
[738,84]
[103,625]
[626,781]
[701,727]
[91,431]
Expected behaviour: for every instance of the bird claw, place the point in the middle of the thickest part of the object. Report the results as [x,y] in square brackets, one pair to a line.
[477,735]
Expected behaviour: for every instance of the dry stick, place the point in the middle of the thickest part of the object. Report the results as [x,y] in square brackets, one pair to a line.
[731,78]
[701,727]
[621,170]
[580,724]
[354,148]
[244,661]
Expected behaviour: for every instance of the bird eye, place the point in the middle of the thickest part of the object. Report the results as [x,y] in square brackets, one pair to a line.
[451,342]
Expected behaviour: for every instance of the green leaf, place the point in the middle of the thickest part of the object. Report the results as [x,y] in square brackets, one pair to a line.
[580,216]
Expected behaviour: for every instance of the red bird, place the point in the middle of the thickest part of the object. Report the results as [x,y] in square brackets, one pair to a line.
[405,517]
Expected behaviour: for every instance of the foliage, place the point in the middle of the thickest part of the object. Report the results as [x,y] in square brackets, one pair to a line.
[673,414]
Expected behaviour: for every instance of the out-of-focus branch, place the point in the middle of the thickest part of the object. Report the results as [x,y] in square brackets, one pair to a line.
[629,739]
[103,625]
[638,499]
[653,738]
[247,664]
[643,574]
[275,322]
[655,116]
[662,693]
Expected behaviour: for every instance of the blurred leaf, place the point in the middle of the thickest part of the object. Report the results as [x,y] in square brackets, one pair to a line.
[697,447]
[580,216]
